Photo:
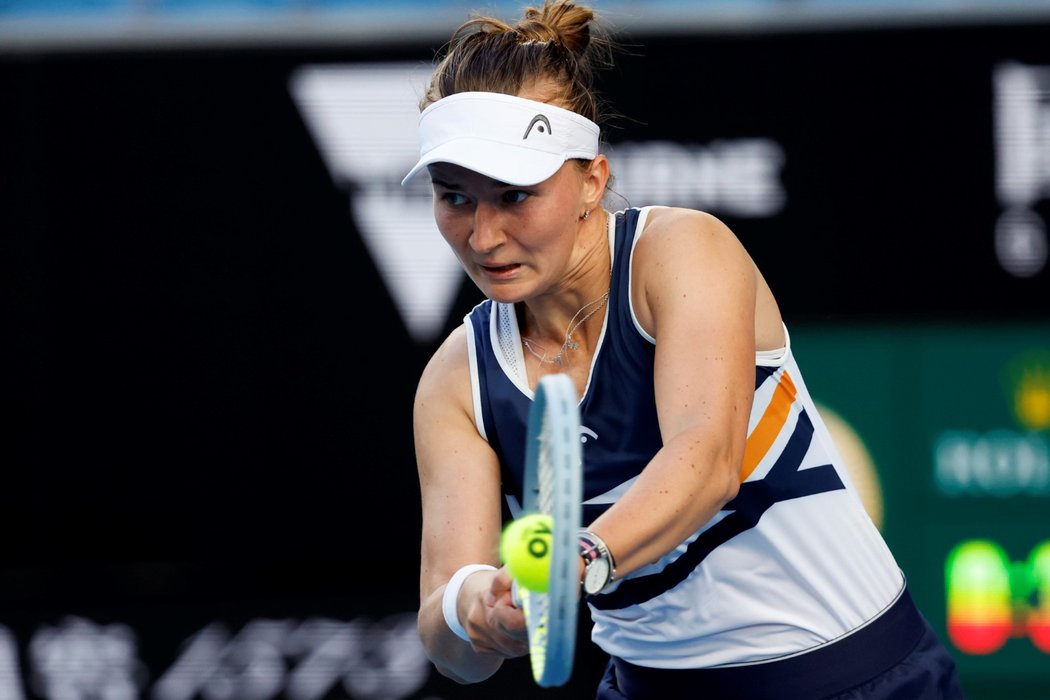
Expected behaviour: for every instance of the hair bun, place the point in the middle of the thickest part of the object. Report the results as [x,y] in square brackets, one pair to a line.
[556,47]
[564,23]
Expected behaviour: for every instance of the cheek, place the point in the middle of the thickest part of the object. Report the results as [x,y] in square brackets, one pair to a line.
[450,227]
[550,226]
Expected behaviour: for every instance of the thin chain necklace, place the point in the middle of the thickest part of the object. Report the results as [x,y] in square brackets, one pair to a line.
[591,308]
[570,343]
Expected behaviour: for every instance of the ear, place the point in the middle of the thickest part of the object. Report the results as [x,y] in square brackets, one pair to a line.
[595,180]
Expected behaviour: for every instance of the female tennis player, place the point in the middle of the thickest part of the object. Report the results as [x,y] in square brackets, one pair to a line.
[726,553]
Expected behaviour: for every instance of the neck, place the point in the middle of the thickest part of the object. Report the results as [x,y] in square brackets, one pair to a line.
[556,327]
[573,335]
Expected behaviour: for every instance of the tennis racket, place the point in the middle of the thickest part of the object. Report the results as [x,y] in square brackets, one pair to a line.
[553,486]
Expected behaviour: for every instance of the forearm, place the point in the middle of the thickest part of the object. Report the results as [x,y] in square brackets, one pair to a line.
[682,488]
[453,657]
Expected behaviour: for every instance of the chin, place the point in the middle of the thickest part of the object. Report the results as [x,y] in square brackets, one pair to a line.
[506,293]
[502,296]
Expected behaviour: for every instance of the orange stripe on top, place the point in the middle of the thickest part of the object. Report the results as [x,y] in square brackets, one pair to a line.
[762,437]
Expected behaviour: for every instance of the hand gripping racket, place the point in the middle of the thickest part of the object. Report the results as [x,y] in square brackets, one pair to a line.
[553,486]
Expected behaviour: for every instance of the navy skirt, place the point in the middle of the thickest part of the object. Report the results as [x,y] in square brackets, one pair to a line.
[896,656]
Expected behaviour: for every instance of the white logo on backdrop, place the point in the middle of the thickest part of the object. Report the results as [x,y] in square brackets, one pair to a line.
[737,177]
[291,658]
[1022,173]
[363,119]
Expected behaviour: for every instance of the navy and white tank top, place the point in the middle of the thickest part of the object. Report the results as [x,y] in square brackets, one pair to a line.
[793,560]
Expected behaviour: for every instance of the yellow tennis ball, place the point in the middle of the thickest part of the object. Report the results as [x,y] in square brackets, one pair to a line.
[525,548]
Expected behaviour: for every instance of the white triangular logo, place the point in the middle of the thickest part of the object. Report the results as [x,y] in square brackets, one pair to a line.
[363,119]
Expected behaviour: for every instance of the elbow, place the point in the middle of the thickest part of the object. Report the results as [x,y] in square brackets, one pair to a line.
[458,661]
[449,673]
[729,485]
[731,488]
[453,676]
[467,673]
[452,657]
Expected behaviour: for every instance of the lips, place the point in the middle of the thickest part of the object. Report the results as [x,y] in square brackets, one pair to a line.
[500,269]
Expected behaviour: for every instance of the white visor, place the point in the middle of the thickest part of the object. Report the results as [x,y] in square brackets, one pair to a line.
[507,138]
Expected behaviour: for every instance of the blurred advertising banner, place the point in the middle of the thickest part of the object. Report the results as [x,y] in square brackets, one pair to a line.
[947,429]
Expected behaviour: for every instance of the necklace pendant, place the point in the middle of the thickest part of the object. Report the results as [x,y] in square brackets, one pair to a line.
[572,344]
[558,360]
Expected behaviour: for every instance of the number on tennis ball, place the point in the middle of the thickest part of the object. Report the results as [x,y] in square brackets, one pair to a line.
[525,548]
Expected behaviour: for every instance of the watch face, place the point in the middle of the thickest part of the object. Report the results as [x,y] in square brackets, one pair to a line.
[596,576]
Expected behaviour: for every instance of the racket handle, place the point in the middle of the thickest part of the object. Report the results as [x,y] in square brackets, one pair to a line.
[515,593]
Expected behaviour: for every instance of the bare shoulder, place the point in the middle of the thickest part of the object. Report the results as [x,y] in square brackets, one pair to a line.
[670,225]
[686,240]
[685,257]
[445,380]
[689,253]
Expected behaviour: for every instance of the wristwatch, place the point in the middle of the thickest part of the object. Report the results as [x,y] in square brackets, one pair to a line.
[599,566]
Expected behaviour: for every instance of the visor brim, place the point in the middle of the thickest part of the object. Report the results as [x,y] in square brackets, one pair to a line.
[499,161]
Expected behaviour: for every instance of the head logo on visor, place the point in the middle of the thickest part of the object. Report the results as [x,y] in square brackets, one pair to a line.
[503,137]
[542,121]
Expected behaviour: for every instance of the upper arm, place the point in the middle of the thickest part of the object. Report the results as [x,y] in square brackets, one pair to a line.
[695,293]
[459,473]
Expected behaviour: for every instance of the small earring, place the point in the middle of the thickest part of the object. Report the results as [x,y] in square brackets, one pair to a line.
[586,215]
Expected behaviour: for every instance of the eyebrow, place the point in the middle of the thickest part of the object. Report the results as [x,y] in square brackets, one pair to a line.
[442,183]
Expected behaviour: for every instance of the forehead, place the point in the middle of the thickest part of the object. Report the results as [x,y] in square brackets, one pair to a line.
[450,174]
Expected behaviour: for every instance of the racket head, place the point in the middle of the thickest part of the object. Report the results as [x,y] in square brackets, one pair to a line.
[554,486]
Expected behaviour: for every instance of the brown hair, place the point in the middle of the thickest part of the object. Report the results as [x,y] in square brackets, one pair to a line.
[556,48]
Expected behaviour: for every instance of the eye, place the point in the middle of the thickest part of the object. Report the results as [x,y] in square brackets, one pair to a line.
[515,196]
[453,198]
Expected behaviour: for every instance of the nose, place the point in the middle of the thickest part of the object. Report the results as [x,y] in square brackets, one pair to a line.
[487,234]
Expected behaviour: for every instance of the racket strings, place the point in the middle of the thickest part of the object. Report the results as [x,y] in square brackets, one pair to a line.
[553,486]
[546,470]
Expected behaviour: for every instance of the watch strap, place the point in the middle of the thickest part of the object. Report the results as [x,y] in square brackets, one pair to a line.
[593,548]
